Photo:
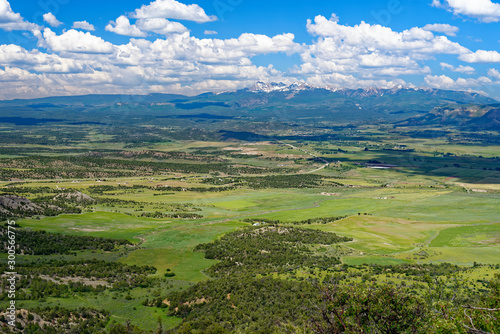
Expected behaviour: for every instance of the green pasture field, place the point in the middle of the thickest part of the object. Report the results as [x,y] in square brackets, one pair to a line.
[369,259]
[100,224]
[381,235]
[186,264]
[165,244]
[121,309]
[468,236]
[466,256]
[426,205]
[173,249]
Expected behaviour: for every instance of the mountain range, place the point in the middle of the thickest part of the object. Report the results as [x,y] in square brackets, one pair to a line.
[294,102]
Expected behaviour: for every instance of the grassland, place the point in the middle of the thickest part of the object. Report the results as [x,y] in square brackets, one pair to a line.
[436,203]
[121,308]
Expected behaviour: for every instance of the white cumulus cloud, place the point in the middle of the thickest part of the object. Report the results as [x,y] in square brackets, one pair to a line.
[465,69]
[483,10]
[372,51]
[76,41]
[84,25]
[379,37]
[172,9]
[481,56]
[460,68]
[52,20]
[81,63]
[445,82]
[9,20]
[222,51]
[493,72]
[161,26]
[442,28]
[13,55]
[350,81]
[122,26]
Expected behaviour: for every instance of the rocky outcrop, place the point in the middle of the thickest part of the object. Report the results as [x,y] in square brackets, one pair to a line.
[75,197]
[16,206]
[11,203]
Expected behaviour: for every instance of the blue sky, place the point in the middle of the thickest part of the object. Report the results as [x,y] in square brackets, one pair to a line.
[73,47]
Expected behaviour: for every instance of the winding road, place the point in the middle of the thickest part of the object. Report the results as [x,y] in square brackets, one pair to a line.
[309,153]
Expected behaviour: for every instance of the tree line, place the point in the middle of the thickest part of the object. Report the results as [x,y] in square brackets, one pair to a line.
[273,248]
[30,242]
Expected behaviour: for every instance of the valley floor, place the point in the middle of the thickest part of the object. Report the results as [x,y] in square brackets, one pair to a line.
[399,202]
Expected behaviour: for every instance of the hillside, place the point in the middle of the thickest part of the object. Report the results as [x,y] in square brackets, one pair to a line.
[468,117]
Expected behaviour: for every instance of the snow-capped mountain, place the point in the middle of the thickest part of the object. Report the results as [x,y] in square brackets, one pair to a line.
[263,87]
